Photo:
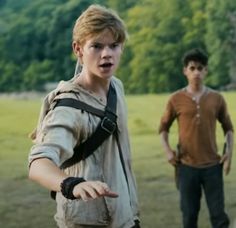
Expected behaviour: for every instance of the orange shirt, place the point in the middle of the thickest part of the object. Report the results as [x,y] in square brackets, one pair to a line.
[197,125]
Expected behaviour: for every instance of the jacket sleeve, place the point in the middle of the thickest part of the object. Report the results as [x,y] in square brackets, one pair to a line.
[58,136]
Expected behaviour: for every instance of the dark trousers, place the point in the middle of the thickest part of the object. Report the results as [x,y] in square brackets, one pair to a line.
[191,183]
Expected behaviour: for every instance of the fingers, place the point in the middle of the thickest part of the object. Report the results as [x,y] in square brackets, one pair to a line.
[92,190]
[226,167]
[223,158]
[172,159]
[226,161]
[226,170]
[173,162]
[111,194]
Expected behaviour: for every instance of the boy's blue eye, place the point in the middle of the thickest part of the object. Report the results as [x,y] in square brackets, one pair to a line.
[97,46]
[100,46]
[114,45]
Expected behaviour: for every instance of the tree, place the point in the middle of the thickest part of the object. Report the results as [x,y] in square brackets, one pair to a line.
[36,36]
[219,43]
[10,79]
[194,21]
[155,45]
[37,75]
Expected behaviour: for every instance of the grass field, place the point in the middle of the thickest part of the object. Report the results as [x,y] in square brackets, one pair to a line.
[24,204]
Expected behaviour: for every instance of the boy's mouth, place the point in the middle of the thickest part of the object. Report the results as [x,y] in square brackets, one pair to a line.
[106,65]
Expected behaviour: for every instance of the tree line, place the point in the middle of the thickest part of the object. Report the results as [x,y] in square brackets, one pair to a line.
[35,42]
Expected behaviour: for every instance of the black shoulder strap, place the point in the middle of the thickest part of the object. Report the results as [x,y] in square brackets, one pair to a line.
[105,128]
[73,103]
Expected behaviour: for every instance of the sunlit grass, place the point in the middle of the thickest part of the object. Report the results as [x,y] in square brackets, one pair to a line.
[25,204]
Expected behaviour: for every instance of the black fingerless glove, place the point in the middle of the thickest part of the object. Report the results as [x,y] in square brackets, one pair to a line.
[68,185]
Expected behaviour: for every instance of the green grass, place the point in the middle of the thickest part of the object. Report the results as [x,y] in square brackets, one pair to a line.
[24,204]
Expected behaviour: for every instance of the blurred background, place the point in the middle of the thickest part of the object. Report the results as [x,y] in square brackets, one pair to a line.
[35,42]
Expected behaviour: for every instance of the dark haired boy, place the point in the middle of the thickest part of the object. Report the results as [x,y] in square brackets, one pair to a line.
[197,109]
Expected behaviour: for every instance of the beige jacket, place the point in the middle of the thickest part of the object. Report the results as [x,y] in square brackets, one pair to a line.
[58,132]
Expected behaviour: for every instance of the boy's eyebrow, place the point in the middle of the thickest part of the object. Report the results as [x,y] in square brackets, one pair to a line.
[99,42]
[95,42]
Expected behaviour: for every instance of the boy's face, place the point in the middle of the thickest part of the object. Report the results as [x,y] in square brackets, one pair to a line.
[195,72]
[100,55]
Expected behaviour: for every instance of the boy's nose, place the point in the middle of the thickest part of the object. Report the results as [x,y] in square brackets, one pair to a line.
[106,52]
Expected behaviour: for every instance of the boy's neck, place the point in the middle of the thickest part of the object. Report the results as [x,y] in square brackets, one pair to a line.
[196,92]
[97,87]
[195,88]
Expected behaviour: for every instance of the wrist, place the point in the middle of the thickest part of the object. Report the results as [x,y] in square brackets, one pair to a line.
[68,184]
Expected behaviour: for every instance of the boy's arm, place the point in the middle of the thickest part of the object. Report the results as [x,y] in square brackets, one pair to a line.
[46,173]
[227,156]
[229,138]
[170,153]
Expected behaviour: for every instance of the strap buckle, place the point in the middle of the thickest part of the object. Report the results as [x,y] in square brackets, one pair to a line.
[108,125]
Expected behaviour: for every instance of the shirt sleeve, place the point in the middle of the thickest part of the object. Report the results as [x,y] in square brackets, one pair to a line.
[224,117]
[167,118]
[58,136]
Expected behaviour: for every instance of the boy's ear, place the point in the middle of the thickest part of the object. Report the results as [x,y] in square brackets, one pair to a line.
[77,49]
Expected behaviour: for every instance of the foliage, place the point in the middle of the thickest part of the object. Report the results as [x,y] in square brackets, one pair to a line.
[35,41]
[217,40]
